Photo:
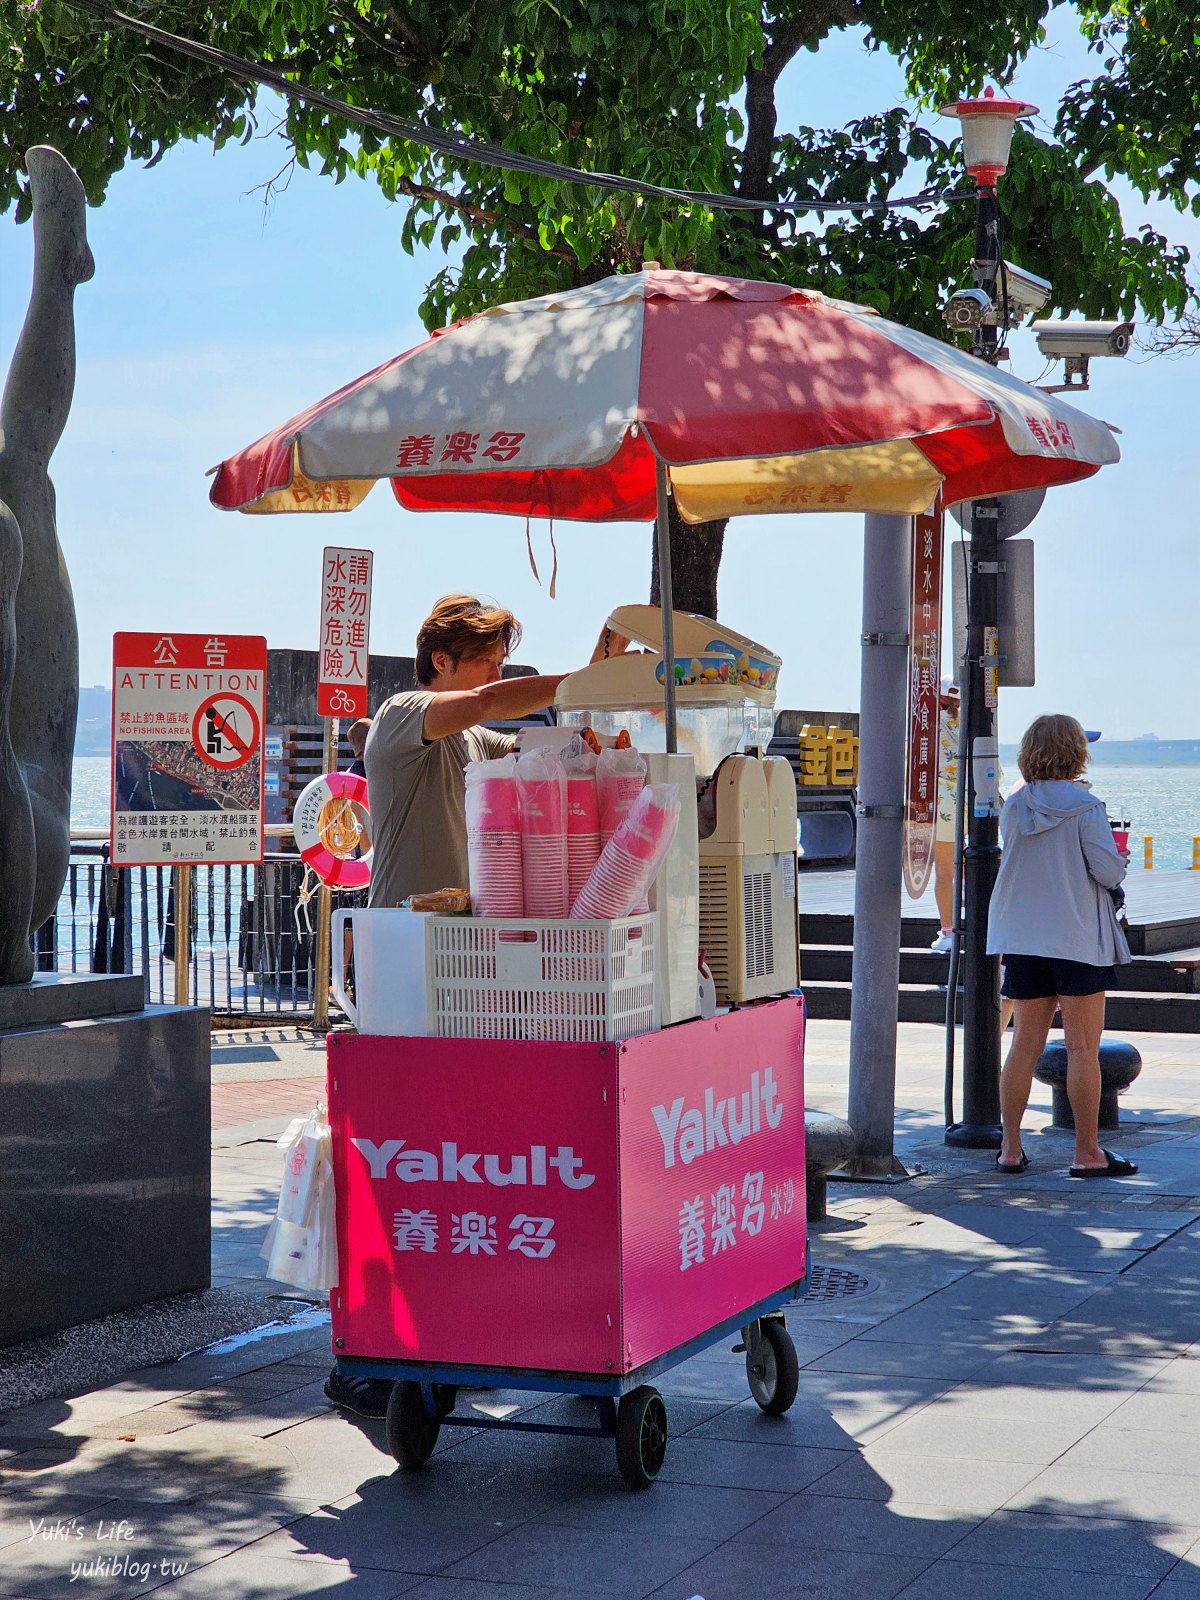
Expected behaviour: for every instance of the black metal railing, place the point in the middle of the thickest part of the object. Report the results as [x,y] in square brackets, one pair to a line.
[252,941]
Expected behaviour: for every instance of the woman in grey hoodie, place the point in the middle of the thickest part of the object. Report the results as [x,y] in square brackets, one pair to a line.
[1054,921]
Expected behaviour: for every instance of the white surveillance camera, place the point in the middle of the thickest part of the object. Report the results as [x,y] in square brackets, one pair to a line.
[1075,339]
[1026,291]
[966,309]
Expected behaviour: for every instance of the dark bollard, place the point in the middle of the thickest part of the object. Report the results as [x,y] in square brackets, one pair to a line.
[828,1141]
[1120,1064]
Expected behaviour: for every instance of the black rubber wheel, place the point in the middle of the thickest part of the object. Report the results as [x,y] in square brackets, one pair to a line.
[411,1432]
[774,1387]
[641,1436]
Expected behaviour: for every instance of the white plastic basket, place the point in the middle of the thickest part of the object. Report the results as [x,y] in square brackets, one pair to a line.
[525,978]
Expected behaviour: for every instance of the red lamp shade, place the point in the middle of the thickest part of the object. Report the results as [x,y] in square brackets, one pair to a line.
[987,130]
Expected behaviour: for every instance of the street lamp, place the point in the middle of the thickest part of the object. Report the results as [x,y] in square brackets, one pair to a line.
[987,129]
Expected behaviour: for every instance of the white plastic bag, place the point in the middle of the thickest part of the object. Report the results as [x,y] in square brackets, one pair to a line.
[301,1245]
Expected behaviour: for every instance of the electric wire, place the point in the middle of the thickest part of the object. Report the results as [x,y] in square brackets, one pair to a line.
[479,152]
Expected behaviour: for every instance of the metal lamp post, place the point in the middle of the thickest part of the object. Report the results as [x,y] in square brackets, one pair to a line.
[987,130]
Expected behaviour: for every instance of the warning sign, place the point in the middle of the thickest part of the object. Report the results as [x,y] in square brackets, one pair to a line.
[343,658]
[187,772]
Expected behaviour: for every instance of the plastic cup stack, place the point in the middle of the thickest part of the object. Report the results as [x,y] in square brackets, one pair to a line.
[629,861]
[583,831]
[494,853]
[542,787]
[620,778]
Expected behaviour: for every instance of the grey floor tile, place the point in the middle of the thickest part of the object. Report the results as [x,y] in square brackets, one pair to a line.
[1181,1376]
[129,1547]
[25,1521]
[807,1423]
[1112,1492]
[938,1358]
[867,1527]
[1137,1450]
[739,1571]
[957,1484]
[684,1509]
[607,1563]
[1032,1407]
[1070,1370]
[475,1589]
[1075,1544]
[372,1541]
[782,1470]
[250,1573]
[937,1431]
[961,1580]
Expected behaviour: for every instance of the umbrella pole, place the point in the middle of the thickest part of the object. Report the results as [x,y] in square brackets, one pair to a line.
[662,530]
[879,848]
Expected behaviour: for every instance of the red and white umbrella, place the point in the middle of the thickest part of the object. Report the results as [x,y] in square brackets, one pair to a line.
[756,397]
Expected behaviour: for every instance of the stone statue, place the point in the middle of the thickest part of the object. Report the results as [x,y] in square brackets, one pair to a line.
[39,642]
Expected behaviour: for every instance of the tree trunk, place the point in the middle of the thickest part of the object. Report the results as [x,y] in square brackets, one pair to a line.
[695,562]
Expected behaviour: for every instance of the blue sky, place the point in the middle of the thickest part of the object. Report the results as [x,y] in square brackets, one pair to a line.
[210,320]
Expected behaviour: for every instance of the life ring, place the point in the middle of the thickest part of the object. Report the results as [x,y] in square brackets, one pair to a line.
[318,824]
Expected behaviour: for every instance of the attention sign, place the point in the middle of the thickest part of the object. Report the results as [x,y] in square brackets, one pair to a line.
[345,632]
[188,711]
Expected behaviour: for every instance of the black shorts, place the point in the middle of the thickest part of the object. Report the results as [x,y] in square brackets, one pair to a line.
[1045,977]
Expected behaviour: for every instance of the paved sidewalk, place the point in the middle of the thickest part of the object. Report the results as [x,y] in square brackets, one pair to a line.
[1007,1403]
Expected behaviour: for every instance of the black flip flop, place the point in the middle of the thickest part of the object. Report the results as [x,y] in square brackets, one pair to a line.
[1012,1166]
[1117,1167]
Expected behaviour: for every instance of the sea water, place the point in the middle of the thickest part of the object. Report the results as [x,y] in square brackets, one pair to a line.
[1161,801]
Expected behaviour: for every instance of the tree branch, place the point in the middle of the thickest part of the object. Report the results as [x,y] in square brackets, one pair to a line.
[481,215]
[808,22]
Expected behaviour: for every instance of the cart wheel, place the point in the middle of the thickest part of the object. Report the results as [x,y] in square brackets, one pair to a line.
[775,1382]
[641,1436]
[411,1431]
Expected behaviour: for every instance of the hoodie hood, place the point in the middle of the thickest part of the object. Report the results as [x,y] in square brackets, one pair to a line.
[1040,806]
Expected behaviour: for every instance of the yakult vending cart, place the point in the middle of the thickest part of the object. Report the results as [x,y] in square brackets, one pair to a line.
[580,1200]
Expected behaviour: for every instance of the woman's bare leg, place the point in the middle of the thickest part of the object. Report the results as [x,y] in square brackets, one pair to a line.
[1083,1025]
[943,881]
[1031,1024]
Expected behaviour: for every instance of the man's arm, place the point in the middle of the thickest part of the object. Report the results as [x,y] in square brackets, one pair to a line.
[455,709]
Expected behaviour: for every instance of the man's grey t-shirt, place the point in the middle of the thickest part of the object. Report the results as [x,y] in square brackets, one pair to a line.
[417,798]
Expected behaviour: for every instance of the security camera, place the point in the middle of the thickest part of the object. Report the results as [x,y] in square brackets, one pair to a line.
[1074,339]
[966,309]
[1026,291]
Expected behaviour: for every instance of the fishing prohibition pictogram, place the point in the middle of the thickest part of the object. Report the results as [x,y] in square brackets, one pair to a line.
[225,731]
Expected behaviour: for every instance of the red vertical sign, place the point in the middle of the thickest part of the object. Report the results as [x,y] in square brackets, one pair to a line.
[345,632]
[924,660]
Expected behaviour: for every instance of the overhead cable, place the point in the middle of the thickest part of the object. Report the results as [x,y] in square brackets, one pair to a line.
[477,151]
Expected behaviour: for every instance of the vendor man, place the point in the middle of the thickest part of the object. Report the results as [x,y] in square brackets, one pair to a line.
[420,742]
[416,755]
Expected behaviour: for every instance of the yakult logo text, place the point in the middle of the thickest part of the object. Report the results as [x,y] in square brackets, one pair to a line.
[691,1132]
[394,1157]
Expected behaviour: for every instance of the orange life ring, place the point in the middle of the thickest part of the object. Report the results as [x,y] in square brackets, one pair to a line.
[311,829]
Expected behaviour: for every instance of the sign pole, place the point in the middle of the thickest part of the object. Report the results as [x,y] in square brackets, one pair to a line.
[183,932]
[321,958]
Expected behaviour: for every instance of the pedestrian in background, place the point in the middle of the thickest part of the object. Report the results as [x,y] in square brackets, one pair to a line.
[1053,920]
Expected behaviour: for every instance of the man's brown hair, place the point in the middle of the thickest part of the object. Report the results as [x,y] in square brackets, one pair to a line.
[463,626]
[1053,747]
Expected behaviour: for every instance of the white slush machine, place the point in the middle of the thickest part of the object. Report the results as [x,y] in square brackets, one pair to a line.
[729,883]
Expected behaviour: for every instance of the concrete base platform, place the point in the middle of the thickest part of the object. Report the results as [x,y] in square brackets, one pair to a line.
[104,1165]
